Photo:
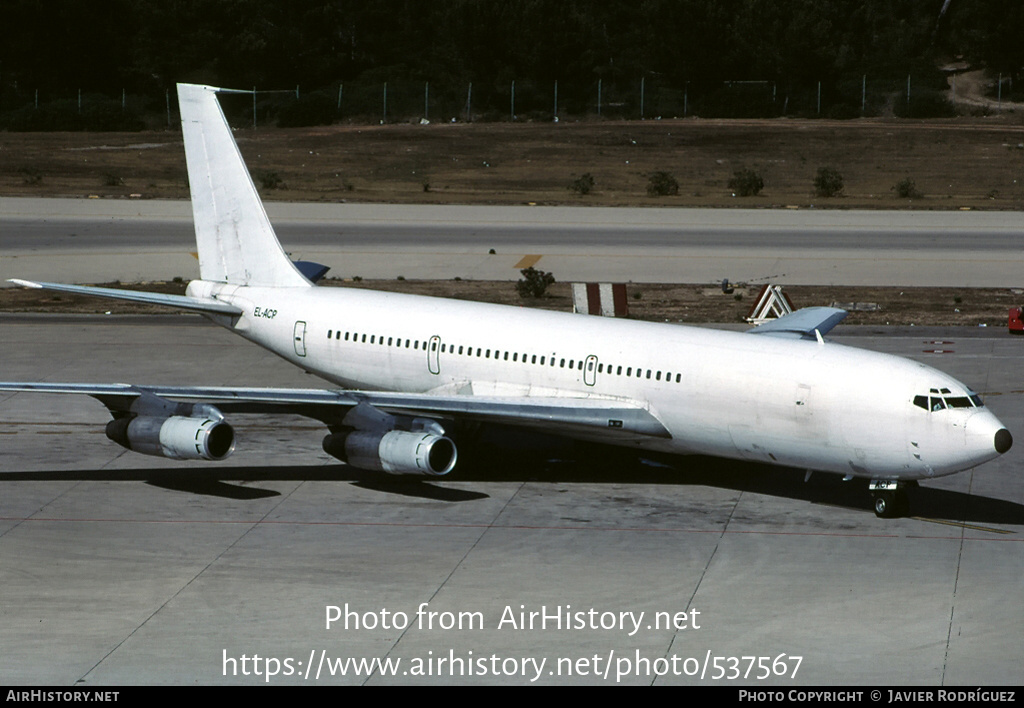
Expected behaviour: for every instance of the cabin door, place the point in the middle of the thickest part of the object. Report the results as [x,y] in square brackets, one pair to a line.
[300,338]
[590,370]
[434,355]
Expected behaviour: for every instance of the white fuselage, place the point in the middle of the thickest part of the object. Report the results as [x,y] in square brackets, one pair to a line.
[780,400]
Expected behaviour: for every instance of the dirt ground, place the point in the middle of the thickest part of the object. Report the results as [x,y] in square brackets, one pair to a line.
[963,163]
[653,302]
[969,162]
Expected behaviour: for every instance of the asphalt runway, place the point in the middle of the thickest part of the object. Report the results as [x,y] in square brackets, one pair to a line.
[117,568]
[90,241]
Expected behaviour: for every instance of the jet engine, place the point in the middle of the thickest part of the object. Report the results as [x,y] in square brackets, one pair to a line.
[177,437]
[394,451]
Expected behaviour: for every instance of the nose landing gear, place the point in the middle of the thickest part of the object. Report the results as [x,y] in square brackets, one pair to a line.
[889,498]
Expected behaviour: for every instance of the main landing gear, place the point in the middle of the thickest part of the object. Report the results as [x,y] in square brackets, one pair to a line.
[889,497]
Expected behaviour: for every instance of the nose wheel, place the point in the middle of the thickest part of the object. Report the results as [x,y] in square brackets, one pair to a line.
[889,498]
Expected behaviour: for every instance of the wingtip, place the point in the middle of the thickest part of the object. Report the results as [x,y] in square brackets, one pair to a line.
[24,283]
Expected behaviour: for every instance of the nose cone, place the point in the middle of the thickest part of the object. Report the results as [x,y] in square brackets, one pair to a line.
[987,437]
[1003,440]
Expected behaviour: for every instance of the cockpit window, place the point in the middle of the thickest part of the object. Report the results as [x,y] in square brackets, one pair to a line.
[940,399]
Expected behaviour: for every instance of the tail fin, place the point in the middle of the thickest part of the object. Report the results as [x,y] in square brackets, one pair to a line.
[236,242]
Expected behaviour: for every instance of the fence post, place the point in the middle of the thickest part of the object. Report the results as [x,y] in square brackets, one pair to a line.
[426,100]
[469,103]
[599,98]
[863,94]
[385,117]
[642,80]
[513,99]
[556,100]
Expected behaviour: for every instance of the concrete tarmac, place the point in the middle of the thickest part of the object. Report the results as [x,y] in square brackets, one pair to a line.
[120,569]
[90,241]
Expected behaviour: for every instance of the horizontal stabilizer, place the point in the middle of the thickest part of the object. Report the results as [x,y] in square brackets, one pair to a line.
[803,323]
[178,302]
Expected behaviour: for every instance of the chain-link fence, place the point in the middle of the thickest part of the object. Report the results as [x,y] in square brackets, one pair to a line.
[24,108]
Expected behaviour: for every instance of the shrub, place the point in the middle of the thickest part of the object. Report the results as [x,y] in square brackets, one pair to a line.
[906,189]
[270,180]
[746,183]
[534,283]
[583,184]
[662,184]
[828,182]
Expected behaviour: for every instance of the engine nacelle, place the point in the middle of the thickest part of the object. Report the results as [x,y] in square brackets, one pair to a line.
[177,437]
[394,451]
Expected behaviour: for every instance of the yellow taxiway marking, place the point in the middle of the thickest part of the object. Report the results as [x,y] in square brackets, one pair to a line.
[963,525]
[528,261]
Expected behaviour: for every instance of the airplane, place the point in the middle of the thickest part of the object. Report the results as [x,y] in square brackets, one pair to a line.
[411,372]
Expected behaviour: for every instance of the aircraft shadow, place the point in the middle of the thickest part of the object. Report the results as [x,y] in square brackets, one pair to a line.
[595,466]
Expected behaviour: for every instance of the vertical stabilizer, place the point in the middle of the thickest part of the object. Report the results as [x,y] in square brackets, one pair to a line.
[234,237]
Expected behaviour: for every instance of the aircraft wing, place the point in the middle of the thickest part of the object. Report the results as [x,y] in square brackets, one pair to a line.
[575,416]
[803,323]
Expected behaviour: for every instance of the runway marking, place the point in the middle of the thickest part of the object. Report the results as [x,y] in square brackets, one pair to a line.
[963,525]
[527,261]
